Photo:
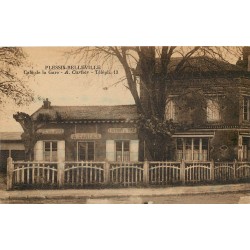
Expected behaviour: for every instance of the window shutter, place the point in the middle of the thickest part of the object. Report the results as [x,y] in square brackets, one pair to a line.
[134,150]
[110,150]
[240,148]
[38,151]
[61,151]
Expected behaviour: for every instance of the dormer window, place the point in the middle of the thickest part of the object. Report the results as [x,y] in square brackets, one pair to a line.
[213,110]
[246,108]
[170,113]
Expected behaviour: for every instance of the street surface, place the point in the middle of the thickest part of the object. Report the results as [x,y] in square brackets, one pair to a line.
[227,198]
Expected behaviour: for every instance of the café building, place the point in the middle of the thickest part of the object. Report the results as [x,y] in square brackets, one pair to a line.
[86,133]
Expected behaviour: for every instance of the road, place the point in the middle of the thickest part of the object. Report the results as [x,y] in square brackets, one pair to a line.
[226,198]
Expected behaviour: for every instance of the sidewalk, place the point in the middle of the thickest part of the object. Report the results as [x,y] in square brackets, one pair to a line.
[117,192]
[122,192]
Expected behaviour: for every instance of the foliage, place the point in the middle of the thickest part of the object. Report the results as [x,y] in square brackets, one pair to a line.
[12,86]
[224,146]
[159,69]
[29,137]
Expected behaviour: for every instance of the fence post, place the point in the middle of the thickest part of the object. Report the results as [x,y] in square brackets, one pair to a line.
[146,172]
[234,166]
[106,172]
[182,172]
[10,169]
[60,173]
[212,170]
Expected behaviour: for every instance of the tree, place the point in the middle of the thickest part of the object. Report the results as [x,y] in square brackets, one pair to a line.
[11,86]
[29,136]
[158,69]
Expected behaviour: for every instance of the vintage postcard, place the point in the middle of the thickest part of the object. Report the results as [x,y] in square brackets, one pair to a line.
[125,124]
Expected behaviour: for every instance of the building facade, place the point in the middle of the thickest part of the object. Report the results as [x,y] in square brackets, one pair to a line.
[209,103]
[86,133]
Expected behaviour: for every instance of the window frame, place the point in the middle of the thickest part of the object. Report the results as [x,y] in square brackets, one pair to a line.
[77,151]
[51,150]
[246,98]
[122,159]
[171,114]
[212,109]
[192,149]
[245,148]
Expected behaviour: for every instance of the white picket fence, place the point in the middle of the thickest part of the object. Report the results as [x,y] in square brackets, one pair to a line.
[164,172]
[82,174]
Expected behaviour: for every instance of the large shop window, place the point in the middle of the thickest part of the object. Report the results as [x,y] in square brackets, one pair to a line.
[50,150]
[86,151]
[246,108]
[213,111]
[122,150]
[192,149]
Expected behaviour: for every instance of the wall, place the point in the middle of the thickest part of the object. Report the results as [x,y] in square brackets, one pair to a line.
[224,146]
[95,128]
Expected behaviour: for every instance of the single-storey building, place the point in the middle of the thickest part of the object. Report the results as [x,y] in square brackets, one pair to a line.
[11,145]
[86,133]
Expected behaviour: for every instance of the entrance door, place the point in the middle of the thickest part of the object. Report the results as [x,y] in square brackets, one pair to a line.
[86,151]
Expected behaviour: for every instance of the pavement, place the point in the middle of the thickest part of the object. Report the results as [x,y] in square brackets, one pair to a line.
[119,192]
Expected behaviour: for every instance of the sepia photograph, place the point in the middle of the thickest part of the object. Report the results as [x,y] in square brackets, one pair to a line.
[125,125]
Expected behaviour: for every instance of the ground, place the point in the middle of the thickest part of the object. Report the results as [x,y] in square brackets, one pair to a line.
[210,194]
[228,198]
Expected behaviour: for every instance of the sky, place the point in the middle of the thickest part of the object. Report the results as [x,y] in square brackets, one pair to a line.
[63,89]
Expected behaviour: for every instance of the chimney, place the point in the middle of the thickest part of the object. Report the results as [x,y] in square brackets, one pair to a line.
[46,104]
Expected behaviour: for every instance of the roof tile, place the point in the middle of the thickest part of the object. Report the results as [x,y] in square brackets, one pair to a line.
[118,112]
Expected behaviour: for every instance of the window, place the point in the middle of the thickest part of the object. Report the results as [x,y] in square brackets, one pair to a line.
[86,151]
[122,150]
[213,111]
[246,108]
[170,110]
[246,148]
[50,150]
[192,149]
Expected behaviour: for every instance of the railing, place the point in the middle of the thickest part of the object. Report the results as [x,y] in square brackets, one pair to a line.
[25,173]
[242,170]
[164,172]
[198,171]
[224,171]
[83,174]
[126,173]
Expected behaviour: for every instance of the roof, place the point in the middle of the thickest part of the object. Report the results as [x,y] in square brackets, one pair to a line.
[199,64]
[204,64]
[10,136]
[118,112]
